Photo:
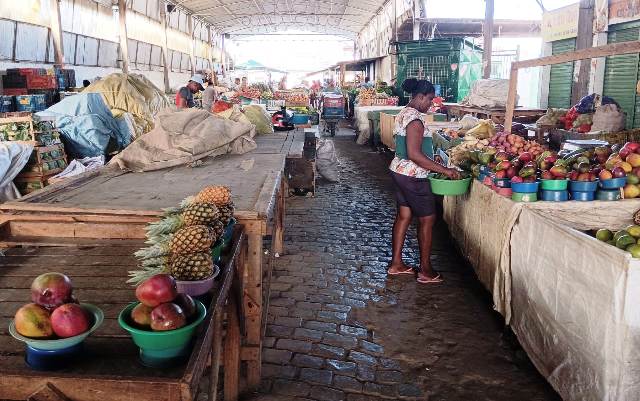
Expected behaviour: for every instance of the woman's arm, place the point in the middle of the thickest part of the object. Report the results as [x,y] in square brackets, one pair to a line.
[415,131]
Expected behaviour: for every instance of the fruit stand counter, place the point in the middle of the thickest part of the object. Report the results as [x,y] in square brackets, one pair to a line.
[575,308]
[108,368]
[118,204]
[497,115]
[482,222]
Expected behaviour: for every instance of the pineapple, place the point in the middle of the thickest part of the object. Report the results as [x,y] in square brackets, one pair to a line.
[192,266]
[191,239]
[193,215]
[218,195]
[172,211]
[150,267]
[636,217]
[226,213]
[218,230]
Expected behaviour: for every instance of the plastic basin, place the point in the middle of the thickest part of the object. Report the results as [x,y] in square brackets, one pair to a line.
[38,359]
[502,182]
[62,343]
[554,196]
[506,192]
[160,348]
[583,186]
[524,196]
[613,183]
[450,187]
[608,194]
[216,250]
[196,288]
[554,185]
[524,187]
[583,196]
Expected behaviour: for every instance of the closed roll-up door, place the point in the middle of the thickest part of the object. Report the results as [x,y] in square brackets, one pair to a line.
[561,76]
[621,75]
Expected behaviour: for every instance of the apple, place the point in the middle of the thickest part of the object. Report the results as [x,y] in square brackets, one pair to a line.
[33,321]
[546,175]
[51,290]
[501,174]
[69,320]
[525,157]
[530,179]
[605,174]
[141,315]
[573,176]
[157,290]
[618,172]
[593,176]
[517,180]
[167,316]
[511,172]
[187,304]
[583,177]
[625,166]
[633,159]
[558,171]
[501,156]
[624,152]
[632,146]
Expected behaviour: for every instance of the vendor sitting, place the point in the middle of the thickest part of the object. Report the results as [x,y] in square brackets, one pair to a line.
[184,97]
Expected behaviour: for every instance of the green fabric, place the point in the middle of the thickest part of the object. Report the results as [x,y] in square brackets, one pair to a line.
[401,147]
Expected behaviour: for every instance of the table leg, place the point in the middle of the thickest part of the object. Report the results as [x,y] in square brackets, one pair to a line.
[232,353]
[215,356]
[253,305]
[278,237]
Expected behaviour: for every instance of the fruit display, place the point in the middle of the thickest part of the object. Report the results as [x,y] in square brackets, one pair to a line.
[459,154]
[514,144]
[627,239]
[181,242]
[295,97]
[484,129]
[54,312]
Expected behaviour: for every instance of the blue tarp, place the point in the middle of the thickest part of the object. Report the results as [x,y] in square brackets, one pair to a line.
[87,126]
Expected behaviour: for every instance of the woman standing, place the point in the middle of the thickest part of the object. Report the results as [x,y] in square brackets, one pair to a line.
[409,170]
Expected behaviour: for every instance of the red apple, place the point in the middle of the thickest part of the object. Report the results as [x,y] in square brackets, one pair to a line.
[141,315]
[605,174]
[573,176]
[33,321]
[632,146]
[558,171]
[51,290]
[530,179]
[517,180]
[167,316]
[511,172]
[525,157]
[618,172]
[624,152]
[157,290]
[501,174]
[69,320]
[583,177]
[546,175]
[187,304]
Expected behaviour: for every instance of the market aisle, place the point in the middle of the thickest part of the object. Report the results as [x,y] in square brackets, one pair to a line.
[339,329]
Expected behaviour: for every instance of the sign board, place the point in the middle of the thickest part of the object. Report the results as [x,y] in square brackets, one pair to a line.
[623,11]
[561,23]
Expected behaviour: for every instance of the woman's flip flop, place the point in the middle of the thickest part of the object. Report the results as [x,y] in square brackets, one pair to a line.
[408,271]
[434,280]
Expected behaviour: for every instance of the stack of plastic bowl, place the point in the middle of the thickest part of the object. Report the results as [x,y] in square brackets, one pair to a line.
[554,190]
[524,191]
[583,190]
[484,172]
[610,190]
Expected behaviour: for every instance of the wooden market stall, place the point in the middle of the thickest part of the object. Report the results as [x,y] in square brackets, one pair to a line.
[496,115]
[108,367]
[114,204]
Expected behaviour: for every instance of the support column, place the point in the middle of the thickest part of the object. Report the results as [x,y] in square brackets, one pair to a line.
[124,45]
[210,53]
[584,40]
[416,20]
[545,75]
[488,39]
[56,34]
[193,44]
[223,58]
[596,75]
[165,48]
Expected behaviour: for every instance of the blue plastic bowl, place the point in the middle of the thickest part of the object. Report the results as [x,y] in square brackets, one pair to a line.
[583,186]
[524,187]
[583,196]
[608,194]
[613,183]
[55,359]
[502,182]
[554,196]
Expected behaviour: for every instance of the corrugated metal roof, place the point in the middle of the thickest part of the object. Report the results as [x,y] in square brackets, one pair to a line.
[336,17]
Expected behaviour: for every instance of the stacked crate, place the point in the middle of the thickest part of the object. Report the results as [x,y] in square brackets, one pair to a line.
[27,82]
[45,162]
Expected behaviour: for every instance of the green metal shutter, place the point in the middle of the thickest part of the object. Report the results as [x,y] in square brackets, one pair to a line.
[621,75]
[561,76]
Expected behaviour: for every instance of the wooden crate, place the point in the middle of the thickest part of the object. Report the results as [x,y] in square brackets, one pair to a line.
[387,125]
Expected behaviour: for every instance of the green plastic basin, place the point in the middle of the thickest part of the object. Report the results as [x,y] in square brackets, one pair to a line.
[158,347]
[554,185]
[450,187]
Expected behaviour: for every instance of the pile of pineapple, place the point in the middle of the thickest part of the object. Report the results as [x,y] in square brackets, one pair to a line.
[180,243]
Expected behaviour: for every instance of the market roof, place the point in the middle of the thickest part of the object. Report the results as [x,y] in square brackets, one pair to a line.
[334,17]
[351,65]
[253,65]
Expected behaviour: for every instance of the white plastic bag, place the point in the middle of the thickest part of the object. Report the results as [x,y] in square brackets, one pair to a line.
[326,160]
[608,118]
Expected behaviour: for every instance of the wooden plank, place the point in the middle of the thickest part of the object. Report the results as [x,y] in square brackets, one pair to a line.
[266,200]
[584,40]
[232,353]
[56,229]
[253,304]
[511,98]
[56,33]
[584,54]
[278,238]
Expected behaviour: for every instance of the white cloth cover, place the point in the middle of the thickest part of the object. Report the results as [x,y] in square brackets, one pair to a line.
[13,158]
[488,93]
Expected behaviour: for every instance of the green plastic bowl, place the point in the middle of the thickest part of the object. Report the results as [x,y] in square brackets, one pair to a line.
[450,187]
[159,348]
[53,345]
[554,185]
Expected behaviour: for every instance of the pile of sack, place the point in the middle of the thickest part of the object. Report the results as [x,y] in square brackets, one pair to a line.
[591,113]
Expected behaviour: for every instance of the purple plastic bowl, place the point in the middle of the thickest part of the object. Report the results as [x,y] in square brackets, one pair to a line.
[198,287]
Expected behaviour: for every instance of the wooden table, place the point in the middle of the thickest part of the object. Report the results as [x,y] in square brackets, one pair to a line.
[497,115]
[108,368]
[120,204]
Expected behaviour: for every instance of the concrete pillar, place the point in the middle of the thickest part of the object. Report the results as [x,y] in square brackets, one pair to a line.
[124,45]
[488,39]
[192,57]
[165,49]
[545,75]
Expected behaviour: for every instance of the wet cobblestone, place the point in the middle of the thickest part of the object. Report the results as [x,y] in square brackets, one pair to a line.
[340,330]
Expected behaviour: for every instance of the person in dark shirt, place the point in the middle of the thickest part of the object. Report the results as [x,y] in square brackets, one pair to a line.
[184,97]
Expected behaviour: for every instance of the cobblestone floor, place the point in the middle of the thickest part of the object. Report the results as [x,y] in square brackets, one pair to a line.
[339,329]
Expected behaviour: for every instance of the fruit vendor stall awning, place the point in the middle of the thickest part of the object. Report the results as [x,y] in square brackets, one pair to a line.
[253,65]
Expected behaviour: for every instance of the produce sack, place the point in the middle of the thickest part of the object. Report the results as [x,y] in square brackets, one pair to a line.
[326,160]
[608,118]
[488,93]
[134,94]
[234,114]
[551,117]
[468,121]
[260,118]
